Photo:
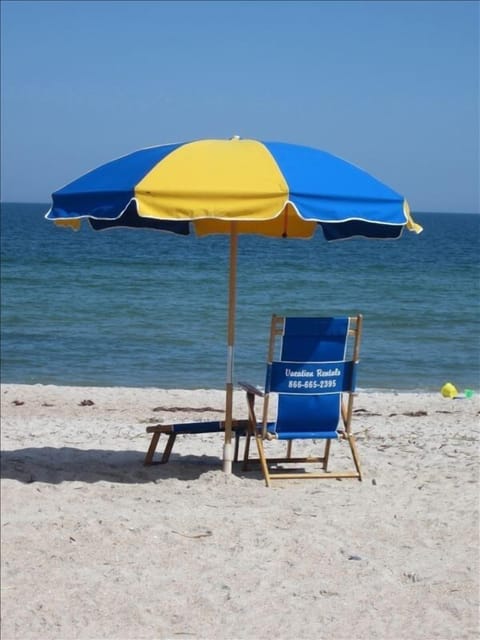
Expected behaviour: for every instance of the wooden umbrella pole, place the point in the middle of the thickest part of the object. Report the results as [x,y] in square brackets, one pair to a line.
[232,294]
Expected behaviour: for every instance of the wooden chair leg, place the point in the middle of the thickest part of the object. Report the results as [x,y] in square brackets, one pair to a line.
[289,448]
[169,447]
[263,459]
[237,446]
[326,454]
[246,451]
[151,448]
[355,456]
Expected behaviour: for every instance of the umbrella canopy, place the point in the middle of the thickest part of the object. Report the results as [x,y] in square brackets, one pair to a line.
[233,187]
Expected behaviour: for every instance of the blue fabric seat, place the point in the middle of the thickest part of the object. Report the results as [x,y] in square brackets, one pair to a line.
[313,378]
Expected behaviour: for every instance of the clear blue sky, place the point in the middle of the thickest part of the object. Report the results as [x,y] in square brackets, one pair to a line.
[390,86]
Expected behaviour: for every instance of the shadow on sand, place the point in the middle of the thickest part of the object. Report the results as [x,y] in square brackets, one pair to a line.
[54,465]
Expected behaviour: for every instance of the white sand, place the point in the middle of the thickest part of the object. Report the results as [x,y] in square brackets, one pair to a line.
[95,545]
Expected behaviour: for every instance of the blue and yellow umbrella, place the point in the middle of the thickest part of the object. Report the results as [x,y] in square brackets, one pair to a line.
[234,187]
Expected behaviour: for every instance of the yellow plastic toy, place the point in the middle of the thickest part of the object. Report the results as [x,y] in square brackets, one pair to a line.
[449,390]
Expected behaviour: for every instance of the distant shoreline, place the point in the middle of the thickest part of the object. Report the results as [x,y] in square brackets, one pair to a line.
[185,389]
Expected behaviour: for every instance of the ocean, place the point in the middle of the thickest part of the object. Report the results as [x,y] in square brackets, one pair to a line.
[142,308]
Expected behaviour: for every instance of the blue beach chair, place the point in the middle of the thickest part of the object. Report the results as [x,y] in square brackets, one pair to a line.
[189,428]
[314,383]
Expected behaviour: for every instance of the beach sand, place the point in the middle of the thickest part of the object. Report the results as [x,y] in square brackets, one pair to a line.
[96,545]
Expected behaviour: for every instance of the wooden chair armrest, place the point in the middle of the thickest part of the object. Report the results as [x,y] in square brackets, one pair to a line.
[251,389]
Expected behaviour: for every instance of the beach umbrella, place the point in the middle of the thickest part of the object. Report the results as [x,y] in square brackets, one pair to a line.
[234,186]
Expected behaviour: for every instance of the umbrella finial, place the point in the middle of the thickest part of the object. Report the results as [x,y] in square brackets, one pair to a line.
[235,138]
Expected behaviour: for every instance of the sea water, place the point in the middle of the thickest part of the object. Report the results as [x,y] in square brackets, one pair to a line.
[149,309]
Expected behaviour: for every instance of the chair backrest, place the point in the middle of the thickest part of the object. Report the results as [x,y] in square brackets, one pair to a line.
[315,368]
